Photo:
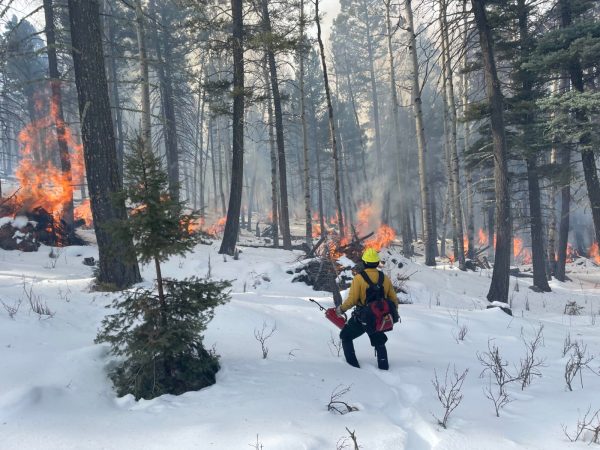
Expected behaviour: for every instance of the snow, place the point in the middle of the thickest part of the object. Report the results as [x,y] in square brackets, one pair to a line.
[54,392]
[17,222]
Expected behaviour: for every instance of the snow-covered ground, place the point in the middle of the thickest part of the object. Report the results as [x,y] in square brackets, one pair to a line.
[55,394]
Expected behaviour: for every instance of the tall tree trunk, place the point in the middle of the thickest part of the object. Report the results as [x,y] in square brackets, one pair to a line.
[283,192]
[373,83]
[588,158]
[540,280]
[57,116]
[117,265]
[401,178]
[551,250]
[470,213]
[429,239]
[235,195]
[273,154]
[332,132]
[500,276]
[114,91]
[319,174]
[456,203]
[301,54]
[144,74]
[164,67]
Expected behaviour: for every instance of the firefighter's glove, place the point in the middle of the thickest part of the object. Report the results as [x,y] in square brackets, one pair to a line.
[338,311]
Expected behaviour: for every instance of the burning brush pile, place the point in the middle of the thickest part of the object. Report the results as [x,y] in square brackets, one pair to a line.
[328,265]
[41,210]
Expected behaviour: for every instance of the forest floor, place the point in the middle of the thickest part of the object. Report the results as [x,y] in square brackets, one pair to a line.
[55,393]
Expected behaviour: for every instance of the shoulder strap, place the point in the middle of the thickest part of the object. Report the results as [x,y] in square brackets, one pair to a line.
[381,278]
[366,278]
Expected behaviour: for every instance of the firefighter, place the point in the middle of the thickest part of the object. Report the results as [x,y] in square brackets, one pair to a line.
[368,285]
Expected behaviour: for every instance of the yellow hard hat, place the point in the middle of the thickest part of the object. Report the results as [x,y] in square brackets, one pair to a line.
[370,256]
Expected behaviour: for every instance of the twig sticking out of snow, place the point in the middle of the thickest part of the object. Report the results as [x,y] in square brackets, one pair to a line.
[336,404]
[530,365]
[449,392]
[579,359]
[262,335]
[588,424]
[497,369]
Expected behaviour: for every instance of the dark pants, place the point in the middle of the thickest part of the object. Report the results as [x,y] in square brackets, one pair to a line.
[354,329]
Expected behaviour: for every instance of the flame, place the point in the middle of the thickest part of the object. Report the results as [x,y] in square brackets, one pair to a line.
[42,184]
[384,236]
[520,252]
[218,227]
[482,238]
[84,211]
[316,230]
[465,243]
[594,253]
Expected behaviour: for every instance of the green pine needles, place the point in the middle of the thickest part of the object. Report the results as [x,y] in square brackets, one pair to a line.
[158,333]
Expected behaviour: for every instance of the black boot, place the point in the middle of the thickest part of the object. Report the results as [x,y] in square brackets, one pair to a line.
[382,359]
[349,354]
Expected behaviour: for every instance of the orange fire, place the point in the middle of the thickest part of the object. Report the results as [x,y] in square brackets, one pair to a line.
[384,236]
[42,184]
[84,211]
[482,238]
[218,227]
[594,253]
[520,252]
[316,230]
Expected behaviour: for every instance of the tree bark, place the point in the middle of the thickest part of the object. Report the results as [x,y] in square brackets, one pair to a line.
[540,280]
[114,92]
[164,67]
[117,264]
[500,275]
[428,238]
[453,149]
[307,208]
[144,74]
[57,115]
[235,195]
[401,179]
[332,132]
[283,191]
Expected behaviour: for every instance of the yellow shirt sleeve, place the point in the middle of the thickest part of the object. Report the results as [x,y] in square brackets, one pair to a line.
[353,296]
[389,291]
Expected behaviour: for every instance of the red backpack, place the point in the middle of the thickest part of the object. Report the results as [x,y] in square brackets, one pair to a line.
[379,314]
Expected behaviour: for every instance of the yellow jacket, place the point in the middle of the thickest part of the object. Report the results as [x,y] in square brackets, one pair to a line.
[358,290]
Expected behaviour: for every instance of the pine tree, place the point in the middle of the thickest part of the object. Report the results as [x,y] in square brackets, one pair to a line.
[159,334]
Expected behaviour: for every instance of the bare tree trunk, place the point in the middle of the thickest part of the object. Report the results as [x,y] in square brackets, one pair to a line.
[401,178]
[332,132]
[232,224]
[57,115]
[220,156]
[283,192]
[456,203]
[467,138]
[551,250]
[429,239]
[307,209]
[500,281]
[144,74]
[168,106]
[273,154]
[114,91]
[319,175]
[117,263]
[540,280]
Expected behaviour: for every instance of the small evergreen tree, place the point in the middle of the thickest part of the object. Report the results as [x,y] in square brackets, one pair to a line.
[159,334]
